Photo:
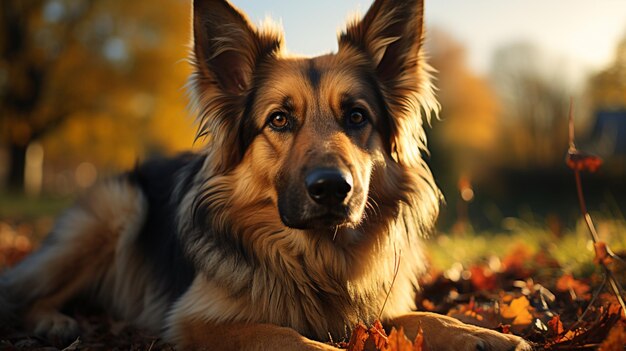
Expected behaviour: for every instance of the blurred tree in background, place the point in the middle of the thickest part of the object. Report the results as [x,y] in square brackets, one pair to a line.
[469,127]
[536,94]
[95,78]
[607,90]
[464,143]
[88,88]
[608,87]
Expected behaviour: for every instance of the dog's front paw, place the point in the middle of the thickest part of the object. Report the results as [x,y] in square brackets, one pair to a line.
[449,334]
[55,327]
[480,339]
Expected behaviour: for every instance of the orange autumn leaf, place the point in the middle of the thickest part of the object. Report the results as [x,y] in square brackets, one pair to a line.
[602,254]
[518,310]
[418,343]
[616,339]
[397,341]
[582,161]
[556,327]
[378,335]
[516,259]
[568,283]
[358,338]
[482,278]
[505,328]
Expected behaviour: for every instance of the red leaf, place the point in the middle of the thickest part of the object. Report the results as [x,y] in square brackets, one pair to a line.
[602,254]
[582,161]
[397,341]
[567,283]
[418,343]
[504,328]
[616,339]
[378,335]
[483,278]
[556,327]
[358,338]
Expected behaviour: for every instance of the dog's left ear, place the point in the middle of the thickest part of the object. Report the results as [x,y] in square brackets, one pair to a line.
[390,34]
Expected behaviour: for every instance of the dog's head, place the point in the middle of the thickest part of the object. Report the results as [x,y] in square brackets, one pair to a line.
[326,138]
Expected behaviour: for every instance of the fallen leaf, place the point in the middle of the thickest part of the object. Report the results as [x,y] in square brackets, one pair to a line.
[483,278]
[515,261]
[504,328]
[567,283]
[397,341]
[518,310]
[556,327]
[418,343]
[616,339]
[378,335]
[358,338]
[602,254]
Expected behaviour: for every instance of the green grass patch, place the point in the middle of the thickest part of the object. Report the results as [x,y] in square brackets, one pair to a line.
[572,249]
[21,207]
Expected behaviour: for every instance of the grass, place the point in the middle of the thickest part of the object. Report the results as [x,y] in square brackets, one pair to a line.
[572,249]
[20,207]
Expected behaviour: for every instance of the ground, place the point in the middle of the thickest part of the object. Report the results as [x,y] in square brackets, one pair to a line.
[526,279]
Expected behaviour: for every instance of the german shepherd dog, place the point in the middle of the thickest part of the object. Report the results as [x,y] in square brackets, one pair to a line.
[288,228]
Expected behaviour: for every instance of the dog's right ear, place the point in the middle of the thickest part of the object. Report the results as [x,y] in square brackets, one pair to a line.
[227,46]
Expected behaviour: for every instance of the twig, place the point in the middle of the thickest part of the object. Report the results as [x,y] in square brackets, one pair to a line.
[396,259]
[613,283]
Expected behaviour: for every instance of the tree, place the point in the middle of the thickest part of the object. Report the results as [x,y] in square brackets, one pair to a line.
[469,116]
[608,88]
[74,66]
[535,96]
[463,142]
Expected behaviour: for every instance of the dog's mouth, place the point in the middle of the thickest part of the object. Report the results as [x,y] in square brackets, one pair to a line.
[323,219]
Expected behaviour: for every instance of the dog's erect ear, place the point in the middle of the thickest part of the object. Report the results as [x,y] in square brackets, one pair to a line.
[227,46]
[227,49]
[390,35]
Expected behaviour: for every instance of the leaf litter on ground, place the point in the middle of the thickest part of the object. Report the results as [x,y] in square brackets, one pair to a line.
[527,294]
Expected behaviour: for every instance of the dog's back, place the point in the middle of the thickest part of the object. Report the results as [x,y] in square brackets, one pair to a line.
[117,245]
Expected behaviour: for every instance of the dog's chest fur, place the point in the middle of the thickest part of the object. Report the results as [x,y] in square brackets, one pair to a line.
[297,291]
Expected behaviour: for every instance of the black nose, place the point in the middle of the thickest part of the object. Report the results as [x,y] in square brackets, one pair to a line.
[328,186]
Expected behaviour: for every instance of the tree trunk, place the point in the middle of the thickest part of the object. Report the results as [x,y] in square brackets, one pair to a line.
[17,163]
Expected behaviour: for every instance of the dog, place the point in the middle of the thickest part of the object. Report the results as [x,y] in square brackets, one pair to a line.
[303,214]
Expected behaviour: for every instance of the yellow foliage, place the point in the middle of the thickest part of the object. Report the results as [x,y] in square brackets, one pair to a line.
[518,310]
[140,104]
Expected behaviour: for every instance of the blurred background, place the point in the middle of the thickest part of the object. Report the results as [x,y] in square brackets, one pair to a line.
[89,88]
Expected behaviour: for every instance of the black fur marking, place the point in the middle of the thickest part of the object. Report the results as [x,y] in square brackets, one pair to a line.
[158,241]
[248,129]
[314,75]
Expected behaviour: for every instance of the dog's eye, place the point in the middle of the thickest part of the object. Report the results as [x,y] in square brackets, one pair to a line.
[356,118]
[279,121]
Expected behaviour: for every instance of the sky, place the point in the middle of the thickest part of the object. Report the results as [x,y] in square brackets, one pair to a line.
[581,34]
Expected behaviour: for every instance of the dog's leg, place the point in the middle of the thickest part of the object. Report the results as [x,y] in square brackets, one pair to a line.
[191,326]
[75,257]
[446,333]
[194,334]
